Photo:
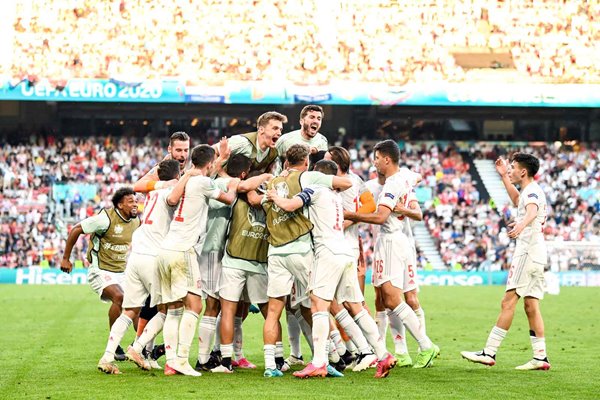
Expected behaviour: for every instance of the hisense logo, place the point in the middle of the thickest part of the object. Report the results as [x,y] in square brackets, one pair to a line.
[39,276]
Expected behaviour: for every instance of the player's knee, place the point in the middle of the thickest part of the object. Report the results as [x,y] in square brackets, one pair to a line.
[531,308]
[412,300]
[507,304]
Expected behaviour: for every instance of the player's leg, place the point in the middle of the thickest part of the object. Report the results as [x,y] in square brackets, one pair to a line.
[152,329]
[187,330]
[116,334]
[206,334]
[271,331]
[487,356]
[231,286]
[536,335]
[320,316]
[240,361]
[381,318]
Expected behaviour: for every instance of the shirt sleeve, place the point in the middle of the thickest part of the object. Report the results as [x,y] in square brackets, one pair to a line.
[240,145]
[306,195]
[532,197]
[210,189]
[98,223]
[390,194]
[316,178]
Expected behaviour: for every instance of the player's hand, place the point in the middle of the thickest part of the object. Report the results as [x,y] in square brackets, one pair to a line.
[266,177]
[516,231]
[511,224]
[233,184]
[314,150]
[501,166]
[284,173]
[400,208]
[224,150]
[271,194]
[66,266]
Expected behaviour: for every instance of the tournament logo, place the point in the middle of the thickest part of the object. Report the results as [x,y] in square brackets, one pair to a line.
[256,217]
[118,229]
[283,190]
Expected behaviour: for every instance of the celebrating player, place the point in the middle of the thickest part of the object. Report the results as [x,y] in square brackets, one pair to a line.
[526,274]
[311,118]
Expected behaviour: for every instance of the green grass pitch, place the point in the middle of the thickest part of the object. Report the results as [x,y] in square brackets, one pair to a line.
[53,336]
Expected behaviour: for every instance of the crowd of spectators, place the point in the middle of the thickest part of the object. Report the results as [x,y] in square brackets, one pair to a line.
[305,42]
[48,184]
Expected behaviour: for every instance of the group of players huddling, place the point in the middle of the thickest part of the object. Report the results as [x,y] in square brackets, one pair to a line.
[270,219]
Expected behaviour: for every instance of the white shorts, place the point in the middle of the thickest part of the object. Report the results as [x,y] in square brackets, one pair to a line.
[239,285]
[392,256]
[288,275]
[335,276]
[141,281]
[179,274]
[99,279]
[526,276]
[410,273]
[210,273]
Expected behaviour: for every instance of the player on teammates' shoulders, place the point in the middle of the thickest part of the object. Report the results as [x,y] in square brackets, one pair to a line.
[311,118]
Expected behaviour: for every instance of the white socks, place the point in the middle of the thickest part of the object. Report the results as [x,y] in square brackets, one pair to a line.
[539,347]
[269,350]
[293,328]
[410,320]
[494,340]
[381,320]
[117,332]
[206,334]
[367,325]
[170,332]
[352,330]
[320,337]
[339,344]
[398,333]
[306,328]
[152,329]
[187,331]
[238,338]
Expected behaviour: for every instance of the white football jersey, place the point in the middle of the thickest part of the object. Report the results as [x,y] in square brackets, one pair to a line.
[407,228]
[532,234]
[375,188]
[326,212]
[148,238]
[188,226]
[351,202]
[396,188]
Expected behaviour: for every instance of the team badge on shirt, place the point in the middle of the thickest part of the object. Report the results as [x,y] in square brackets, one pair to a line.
[533,195]
[390,195]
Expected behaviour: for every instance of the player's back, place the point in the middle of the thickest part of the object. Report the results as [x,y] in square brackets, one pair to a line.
[351,202]
[188,226]
[327,215]
[148,238]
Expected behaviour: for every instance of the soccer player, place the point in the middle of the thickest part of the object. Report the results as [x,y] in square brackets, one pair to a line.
[179,147]
[177,263]
[111,231]
[333,274]
[290,252]
[311,118]
[393,248]
[526,274]
[211,255]
[141,275]
[260,146]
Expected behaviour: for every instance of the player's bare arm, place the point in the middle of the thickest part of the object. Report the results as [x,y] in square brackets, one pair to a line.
[288,205]
[65,263]
[341,183]
[175,195]
[502,168]
[229,196]
[253,183]
[412,211]
[530,214]
[377,218]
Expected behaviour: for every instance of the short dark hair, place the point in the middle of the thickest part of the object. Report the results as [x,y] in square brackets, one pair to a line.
[121,193]
[327,167]
[237,164]
[341,157]
[311,107]
[527,161]
[390,149]
[315,158]
[168,169]
[297,153]
[202,155]
[181,136]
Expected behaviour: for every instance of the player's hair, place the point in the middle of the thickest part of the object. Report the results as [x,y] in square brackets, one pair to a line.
[327,167]
[180,136]
[237,164]
[388,148]
[315,158]
[527,161]
[311,107]
[120,193]
[297,153]
[341,157]
[202,155]
[168,169]
[264,119]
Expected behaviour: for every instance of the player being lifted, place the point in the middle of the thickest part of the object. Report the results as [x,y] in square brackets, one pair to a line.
[333,274]
[393,248]
[178,265]
[526,274]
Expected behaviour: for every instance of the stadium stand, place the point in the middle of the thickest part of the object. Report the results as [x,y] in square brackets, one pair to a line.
[375,41]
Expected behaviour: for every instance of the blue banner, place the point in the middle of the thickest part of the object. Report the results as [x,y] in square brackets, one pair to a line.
[334,93]
[101,90]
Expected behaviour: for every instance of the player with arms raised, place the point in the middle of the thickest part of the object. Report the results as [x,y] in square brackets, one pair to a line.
[526,274]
